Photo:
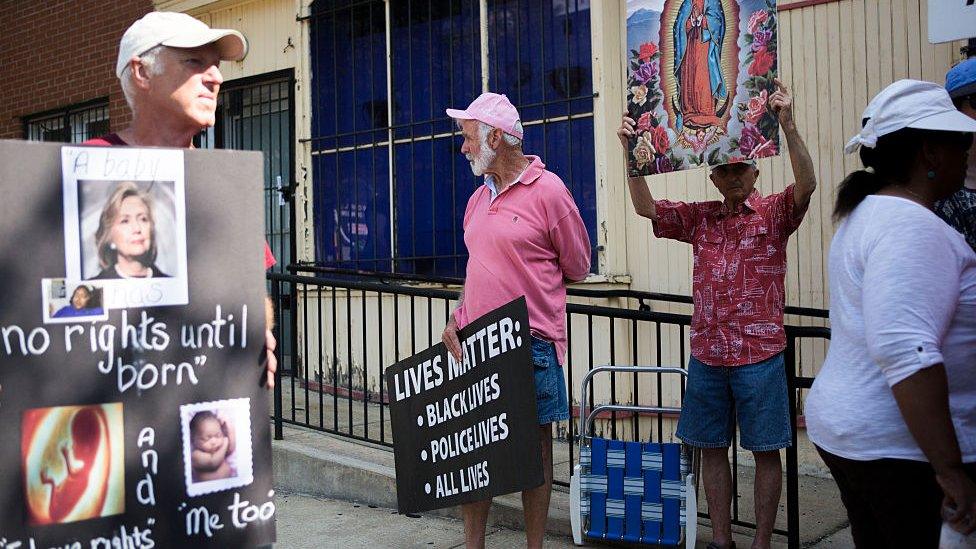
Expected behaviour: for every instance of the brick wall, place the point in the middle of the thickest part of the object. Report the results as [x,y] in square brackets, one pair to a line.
[56,54]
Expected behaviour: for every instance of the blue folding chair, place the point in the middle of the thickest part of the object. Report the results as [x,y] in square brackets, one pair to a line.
[637,492]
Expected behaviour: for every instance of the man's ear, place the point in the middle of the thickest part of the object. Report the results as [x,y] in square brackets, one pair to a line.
[139,74]
[494,138]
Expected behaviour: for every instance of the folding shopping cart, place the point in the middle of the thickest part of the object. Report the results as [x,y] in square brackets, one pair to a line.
[638,492]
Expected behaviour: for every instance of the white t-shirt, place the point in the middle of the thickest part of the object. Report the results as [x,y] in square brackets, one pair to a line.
[903,298]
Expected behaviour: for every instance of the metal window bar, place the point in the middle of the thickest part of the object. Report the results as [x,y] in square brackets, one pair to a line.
[365,394]
[257,113]
[73,124]
[417,19]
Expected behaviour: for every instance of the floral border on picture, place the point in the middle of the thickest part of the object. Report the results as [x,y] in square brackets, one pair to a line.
[652,148]
[760,127]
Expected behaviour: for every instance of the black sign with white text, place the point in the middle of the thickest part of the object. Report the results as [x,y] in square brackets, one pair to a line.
[467,431]
[132,357]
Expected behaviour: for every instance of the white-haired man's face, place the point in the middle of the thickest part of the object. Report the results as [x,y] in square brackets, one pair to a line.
[188,85]
[475,147]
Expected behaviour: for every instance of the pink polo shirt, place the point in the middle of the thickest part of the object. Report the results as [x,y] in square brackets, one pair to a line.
[529,241]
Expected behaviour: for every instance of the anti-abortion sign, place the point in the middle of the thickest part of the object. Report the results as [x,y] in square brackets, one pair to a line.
[131,360]
[466,431]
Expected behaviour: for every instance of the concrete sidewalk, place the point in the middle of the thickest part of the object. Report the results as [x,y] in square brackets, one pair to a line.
[336,468]
[308,522]
[821,512]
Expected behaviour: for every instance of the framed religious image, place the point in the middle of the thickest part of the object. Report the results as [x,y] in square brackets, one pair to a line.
[699,77]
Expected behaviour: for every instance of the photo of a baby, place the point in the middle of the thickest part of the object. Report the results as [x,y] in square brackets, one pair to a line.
[213,447]
[216,445]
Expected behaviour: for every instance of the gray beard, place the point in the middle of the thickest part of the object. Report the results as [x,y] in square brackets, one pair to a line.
[481,162]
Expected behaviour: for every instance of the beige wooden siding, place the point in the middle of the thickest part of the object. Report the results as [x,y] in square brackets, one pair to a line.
[272,32]
[271,28]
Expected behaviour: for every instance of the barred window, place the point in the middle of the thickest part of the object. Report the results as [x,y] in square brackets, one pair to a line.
[69,125]
[389,183]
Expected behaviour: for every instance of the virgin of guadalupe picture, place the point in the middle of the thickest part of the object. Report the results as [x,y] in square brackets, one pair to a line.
[699,76]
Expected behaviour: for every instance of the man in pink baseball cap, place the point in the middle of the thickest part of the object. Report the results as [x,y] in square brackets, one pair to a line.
[525,237]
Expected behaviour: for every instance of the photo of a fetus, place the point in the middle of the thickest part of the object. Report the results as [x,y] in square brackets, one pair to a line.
[73,463]
[216,445]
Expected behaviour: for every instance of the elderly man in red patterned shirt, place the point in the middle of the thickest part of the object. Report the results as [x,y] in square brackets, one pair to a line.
[737,336]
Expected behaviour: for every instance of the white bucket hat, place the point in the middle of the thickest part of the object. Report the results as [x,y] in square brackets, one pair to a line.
[909,104]
[176,30]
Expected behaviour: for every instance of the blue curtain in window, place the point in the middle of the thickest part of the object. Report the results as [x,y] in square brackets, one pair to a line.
[539,56]
[351,184]
[436,60]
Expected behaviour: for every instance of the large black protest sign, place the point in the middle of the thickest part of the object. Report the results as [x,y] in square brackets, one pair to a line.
[132,349]
[466,431]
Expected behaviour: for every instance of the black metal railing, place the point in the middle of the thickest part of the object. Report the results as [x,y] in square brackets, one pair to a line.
[349,327]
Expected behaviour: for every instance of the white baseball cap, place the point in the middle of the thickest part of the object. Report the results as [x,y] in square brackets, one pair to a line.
[894,88]
[176,30]
[909,104]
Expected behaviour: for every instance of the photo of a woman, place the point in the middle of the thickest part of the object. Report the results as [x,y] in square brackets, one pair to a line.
[126,235]
[125,225]
[65,302]
[84,302]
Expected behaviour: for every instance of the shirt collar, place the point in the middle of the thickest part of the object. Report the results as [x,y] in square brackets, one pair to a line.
[753,202]
[527,177]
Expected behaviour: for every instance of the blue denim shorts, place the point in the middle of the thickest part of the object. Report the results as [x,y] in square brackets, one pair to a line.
[755,393]
[550,384]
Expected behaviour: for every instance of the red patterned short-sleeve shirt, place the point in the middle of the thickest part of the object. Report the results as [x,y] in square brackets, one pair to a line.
[739,273]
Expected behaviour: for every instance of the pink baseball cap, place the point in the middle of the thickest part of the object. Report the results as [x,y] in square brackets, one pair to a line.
[492,109]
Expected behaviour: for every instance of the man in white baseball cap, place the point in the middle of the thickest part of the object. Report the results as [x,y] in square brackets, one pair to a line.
[176,30]
[736,372]
[169,69]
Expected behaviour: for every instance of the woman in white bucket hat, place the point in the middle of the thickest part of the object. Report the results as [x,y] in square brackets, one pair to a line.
[893,409]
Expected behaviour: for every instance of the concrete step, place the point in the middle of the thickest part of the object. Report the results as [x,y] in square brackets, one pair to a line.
[324,465]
